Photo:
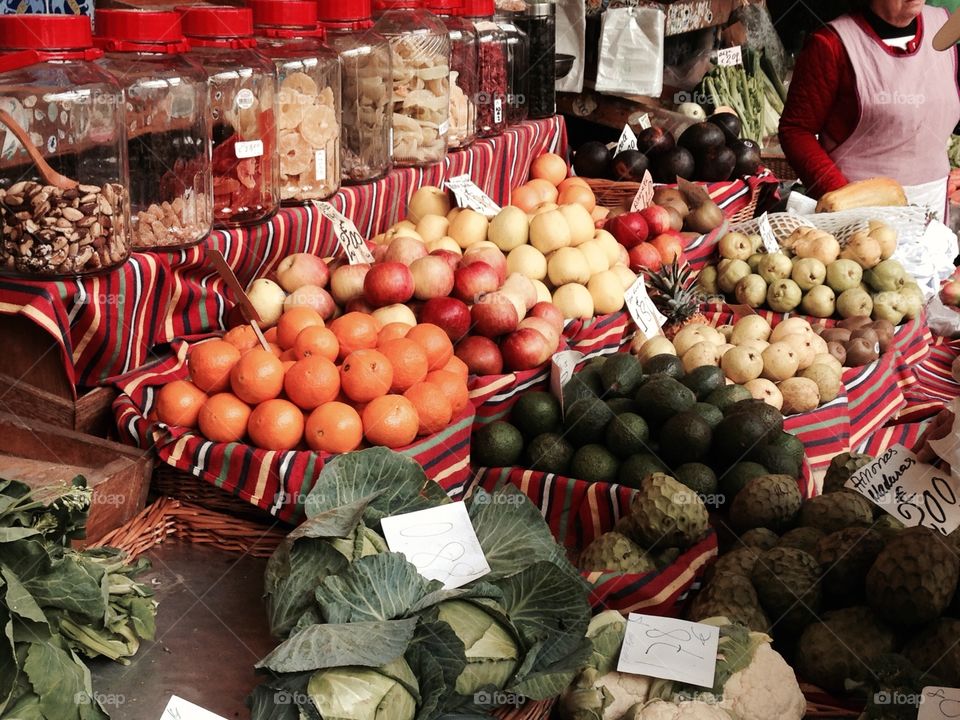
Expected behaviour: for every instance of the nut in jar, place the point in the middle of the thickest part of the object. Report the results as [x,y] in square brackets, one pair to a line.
[309,134]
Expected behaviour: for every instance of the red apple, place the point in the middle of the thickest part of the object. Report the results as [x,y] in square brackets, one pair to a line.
[544,327]
[520,285]
[494,315]
[669,245]
[432,277]
[300,269]
[525,349]
[235,317]
[449,257]
[472,281]
[346,282]
[312,296]
[658,219]
[630,229]
[481,355]
[950,293]
[388,283]
[449,314]
[549,312]
[359,305]
[646,256]
[492,256]
[404,249]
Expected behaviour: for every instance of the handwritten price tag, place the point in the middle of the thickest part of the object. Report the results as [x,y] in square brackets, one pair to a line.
[642,309]
[180,709]
[939,703]
[644,121]
[913,492]
[440,541]
[644,196]
[468,195]
[562,367]
[670,649]
[350,238]
[728,57]
[628,140]
[769,238]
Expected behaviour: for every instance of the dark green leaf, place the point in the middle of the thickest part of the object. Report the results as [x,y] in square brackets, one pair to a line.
[19,600]
[336,522]
[60,680]
[553,680]
[268,703]
[8,659]
[430,676]
[143,616]
[71,585]
[292,576]
[439,641]
[368,644]
[13,534]
[29,558]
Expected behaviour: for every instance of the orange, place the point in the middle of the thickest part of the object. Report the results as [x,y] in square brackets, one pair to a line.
[223,418]
[355,331]
[392,331]
[334,427]
[311,382]
[270,335]
[179,403]
[580,195]
[275,425]
[409,362]
[525,197]
[434,341]
[242,338]
[365,375]
[287,364]
[275,349]
[572,181]
[454,388]
[292,322]
[545,190]
[551,167]
[287,355]
[316,341]
[210,364]
[458,367]
[433,407]
[257,376]
[390,421]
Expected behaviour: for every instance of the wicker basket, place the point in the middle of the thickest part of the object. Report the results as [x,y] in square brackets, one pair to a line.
[172,482]
[778,165]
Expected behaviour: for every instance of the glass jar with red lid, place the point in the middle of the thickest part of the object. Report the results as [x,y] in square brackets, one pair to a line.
[491,97]
[463,72]
[241,92]
[168,127]
[420,52]
[366,81]
[308,101]
[63,164]
[518,50]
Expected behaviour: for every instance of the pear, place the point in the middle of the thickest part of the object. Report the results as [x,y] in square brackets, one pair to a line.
[808,273]
[707,280]
[775,266]
[800,394]
[783,295]
[756,242]
[703,353]
[863,249]
[763,389]
[888,305]
[819,302]
[887,275]
[726,331]
[790,326]
[854,303]
[751,291]
[827,379]
[913,300]
[735,246]
[742,364]
[732,273]
[751,327]
[886,236]
[844,275]
[754,261]
[779,362]
[803,347]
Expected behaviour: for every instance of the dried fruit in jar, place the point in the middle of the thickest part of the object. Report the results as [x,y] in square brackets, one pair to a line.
[309,160]
[421,100]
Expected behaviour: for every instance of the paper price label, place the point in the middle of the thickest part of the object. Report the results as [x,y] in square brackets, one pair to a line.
[468,195]
[562,367]
[644,197]
[912,491]
[642,309]
[248,149]
[440,541]
[627,141]
[769,238]
[670,649]
[350,238]
[644,121]
[728,57]
[936,703]
[320,165]
[180,709]
[497,111]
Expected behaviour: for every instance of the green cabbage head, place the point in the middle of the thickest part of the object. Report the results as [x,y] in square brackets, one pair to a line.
[492,653]
[359,693]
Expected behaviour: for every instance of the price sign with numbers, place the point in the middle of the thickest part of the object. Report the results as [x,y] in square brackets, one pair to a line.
[670,649]
[644,196]
[728,57]
[628,140]
[468,195]
[350,238]
[769,238]
[938,703]
[562,367]
[441,542]
[642,309]
[912,491]
[180,709]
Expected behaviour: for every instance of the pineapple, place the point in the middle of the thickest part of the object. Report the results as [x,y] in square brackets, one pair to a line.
[676,296]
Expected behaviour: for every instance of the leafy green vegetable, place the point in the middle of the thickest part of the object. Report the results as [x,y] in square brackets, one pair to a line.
[364,694]
[490,644]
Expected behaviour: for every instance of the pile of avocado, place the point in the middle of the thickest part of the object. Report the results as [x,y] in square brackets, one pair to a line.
[624,420]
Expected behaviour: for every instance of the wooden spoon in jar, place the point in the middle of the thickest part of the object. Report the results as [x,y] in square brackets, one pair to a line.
[50,176]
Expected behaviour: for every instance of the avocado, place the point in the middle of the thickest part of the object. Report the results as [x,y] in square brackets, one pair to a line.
[585,383]
[536,413]
[736,478]
[777,460]
[662,398]
[637,467]
[741,432]
[498,444]
[550,453]
[592,159]
[628,434]
[708,412]
[586,420]
[791,444]
[621,375]
[704,380]
[621,405]
[666,364]
[728,395]
[594,463]
[685,436]
[698,477]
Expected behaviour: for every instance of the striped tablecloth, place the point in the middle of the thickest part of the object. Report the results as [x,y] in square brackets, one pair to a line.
[107,326]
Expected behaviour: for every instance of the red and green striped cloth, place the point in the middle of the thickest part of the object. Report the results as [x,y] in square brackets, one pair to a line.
[107,326]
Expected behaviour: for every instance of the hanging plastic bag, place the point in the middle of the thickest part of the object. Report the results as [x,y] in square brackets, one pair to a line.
[631,52]
[571,40]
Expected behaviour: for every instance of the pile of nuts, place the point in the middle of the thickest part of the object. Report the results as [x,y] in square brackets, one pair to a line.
[51,231]
[181,222]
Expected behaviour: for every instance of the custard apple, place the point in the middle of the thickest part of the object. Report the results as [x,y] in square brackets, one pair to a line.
[837,511]
[768,501]
[666,513]
[787,581]
[615,552]
[841,468]
[760,538]
[732,597]
[739,561]
[888,526]
[845,558]
[802,538]
[936,650]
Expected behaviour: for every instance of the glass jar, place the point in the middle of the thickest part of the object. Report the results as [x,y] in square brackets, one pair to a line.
[518,49]
[539,22]
[63,164]
[308,101]
[168,127]
[492,93]
[463,72]
[420,52]
[241,90]
[366,82]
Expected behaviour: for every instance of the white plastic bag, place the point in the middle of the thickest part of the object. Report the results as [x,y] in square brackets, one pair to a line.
[571,40]
[631,52]
[943,321]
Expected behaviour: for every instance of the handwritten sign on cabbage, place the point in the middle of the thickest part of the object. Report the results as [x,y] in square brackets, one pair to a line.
[468,195]
[644,196]
[642,309]
[180,709]
[769,238]
[938,703]
[440,541]
[670,649]
[729,57]
[628,140]
[562,366]
[347,234]
[913,492]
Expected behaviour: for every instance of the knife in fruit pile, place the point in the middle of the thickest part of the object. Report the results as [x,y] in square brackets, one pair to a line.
[247,308]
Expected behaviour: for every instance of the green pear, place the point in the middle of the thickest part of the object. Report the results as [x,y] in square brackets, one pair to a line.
[808,273]
[855,302]
[913,300]
[843,275]
[888,305]
[819,301]
[775,266]
[886,276]
[735,246]
[732,273]
[707,280]
[784,295]
[754,261]
[751,290]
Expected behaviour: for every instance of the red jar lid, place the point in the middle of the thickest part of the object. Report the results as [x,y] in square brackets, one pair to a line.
[49,33]
[339,12]
[216,21]
[444,7]
[139,31]
[477,8]
[284,13]
[385,5]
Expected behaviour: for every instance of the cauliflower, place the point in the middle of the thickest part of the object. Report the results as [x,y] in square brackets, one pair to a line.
[766,688]
[687,710]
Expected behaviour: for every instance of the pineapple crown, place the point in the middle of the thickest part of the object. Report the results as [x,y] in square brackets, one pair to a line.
[674,293]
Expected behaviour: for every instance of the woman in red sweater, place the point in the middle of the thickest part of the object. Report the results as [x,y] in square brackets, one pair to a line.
[871,97]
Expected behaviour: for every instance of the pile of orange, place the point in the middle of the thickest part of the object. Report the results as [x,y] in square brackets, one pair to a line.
[549,185]
[327,388]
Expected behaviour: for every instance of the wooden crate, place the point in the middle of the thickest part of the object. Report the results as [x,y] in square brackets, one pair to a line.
[41,455]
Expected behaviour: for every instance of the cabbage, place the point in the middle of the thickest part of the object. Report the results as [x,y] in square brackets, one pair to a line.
[358,693]
[492,654]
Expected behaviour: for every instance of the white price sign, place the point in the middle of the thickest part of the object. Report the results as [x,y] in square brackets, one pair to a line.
[770,242]
[248,149]
[642,309]
[939,703]
[441,542]
[628,140]
[644,121]
[670,649]
[468,195]
[180,709]
[644,197]
[728,57]
[912,491]
[350,238]
[562,367]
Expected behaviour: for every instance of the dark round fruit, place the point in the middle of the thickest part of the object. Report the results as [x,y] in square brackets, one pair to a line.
[629,166]
[701,136]
[654,141]
[673,163]
[716,164]
[747,157]
[729,123]
[592,160]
